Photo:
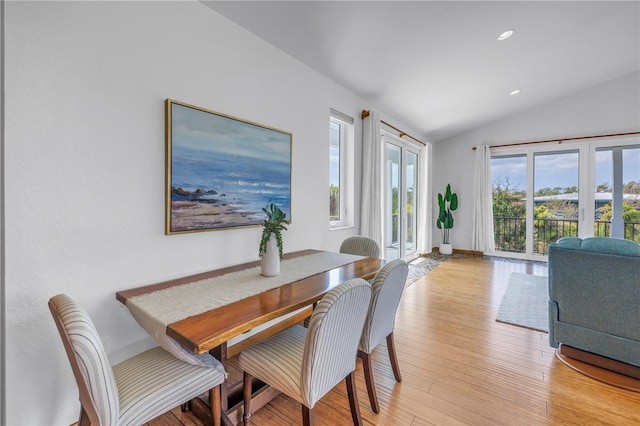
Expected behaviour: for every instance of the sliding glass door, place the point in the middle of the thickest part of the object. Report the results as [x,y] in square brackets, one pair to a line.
[535,200]
[617,192]
[509,174]
[537,197]
[556,200]
[401,199]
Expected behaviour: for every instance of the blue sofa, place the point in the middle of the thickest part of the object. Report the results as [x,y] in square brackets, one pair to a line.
[594,297]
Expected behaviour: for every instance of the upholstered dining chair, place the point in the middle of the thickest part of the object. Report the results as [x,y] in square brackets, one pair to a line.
[306,363]
[387,286]
[135,390]
[360,245]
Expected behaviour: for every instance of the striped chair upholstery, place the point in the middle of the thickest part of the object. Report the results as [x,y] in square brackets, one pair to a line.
[362,246]
[358,245]
[306,363]
[133,391]
[388,285]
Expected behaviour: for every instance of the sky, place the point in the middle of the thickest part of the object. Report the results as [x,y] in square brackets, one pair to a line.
[561,169]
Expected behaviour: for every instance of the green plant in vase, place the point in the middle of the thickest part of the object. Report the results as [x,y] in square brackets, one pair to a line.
[447,203]
[273,225]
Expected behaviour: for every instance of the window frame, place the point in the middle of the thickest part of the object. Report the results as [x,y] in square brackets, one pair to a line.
[346,165]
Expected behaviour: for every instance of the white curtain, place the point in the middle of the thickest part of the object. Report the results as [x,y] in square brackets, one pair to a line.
[424,195]
[371,212]
[482,237]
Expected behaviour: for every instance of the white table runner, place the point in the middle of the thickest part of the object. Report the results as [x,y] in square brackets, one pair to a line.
[155,310]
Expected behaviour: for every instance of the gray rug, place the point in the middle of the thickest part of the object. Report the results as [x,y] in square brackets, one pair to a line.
[525,303]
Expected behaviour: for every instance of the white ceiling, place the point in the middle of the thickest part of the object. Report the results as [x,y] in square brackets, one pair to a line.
[437,65]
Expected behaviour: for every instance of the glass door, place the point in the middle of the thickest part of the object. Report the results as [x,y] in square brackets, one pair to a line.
[410,204]
[536,200]
[537,196]
[393,180]
[617,192]
[509,175]
[401,200]
[556,200]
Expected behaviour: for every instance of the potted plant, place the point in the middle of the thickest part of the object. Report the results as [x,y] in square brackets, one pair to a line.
[271,241]
[447,203]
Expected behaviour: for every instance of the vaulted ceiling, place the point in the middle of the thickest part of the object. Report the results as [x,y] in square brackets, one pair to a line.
[438,65]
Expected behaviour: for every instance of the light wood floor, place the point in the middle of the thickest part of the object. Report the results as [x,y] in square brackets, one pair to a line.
[461,367]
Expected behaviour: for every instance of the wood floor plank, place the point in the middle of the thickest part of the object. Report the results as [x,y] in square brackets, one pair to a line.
[461,367]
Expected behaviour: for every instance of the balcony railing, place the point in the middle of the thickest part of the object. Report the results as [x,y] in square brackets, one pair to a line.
[510,232]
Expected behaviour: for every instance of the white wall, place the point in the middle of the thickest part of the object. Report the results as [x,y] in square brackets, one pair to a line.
[84,175]
[612,107]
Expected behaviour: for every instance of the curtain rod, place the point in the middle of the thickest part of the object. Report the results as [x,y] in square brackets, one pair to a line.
[365,114]
[563,139]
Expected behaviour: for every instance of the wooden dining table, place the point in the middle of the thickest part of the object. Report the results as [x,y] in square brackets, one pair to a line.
[210,331]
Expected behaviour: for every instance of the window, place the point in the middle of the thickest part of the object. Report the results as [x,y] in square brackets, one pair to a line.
[341,135]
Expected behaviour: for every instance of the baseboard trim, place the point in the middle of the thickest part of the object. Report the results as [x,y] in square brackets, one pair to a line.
[458,251]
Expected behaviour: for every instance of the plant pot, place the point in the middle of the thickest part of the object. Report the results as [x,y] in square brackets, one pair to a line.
[270,262]
[446,248]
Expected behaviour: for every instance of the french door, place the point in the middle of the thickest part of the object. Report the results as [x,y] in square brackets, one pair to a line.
[400,199]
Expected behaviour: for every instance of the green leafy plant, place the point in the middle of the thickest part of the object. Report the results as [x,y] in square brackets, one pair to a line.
[447,203]
[273,224]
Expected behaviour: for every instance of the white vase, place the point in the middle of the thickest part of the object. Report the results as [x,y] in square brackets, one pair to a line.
[270,261]
[446,248]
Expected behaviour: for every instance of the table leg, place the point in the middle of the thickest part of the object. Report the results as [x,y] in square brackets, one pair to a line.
[220,353]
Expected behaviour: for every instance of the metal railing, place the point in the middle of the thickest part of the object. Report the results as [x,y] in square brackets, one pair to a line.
[510,232]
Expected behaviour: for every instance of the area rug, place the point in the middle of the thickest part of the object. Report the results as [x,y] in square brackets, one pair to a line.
[525,303]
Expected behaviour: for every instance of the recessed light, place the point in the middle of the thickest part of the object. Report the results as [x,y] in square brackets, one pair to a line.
[505,35]
[514,92]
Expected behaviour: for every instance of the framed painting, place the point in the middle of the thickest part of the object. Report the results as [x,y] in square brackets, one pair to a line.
[221,170]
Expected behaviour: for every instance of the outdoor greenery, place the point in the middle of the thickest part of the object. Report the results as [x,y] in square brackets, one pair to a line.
[395,213]
[553,219]
[334,202]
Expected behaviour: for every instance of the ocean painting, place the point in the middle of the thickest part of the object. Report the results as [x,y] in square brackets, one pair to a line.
[221,171]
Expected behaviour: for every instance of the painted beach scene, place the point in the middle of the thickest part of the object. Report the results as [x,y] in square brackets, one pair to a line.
[223,170]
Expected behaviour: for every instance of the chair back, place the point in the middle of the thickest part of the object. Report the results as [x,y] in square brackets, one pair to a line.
[362,246]
[387,286]
[89,362]
[332,338]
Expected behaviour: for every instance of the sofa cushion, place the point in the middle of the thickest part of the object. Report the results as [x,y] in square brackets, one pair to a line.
[601,245]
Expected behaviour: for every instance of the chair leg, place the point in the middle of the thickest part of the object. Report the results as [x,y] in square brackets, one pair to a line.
[391,346]
[353,399]
[214,402]
[368,379]
[246,396]
[308,319]
[307,416]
